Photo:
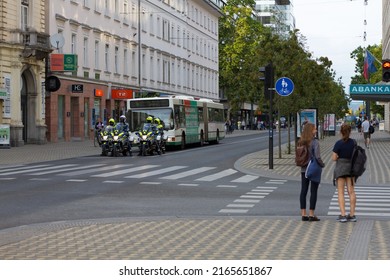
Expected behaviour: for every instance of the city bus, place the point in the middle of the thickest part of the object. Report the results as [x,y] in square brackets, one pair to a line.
[186,120]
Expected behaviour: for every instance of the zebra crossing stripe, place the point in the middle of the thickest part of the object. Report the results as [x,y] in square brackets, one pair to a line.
[38,169]
[233,211]
[22,168]
[245,179]
[187,173]
[93,170]
[156,172]
[67,169]
[218,175]
[123,171]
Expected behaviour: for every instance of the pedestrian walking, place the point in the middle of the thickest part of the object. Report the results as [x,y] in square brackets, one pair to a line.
[366,132]
[308,138]
[342,154]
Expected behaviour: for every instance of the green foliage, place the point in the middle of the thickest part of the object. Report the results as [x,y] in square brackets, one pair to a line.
[246,45]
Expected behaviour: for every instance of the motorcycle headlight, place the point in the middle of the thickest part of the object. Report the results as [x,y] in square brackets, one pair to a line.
[105,137]
[158,137]
[131,138]
[116,137]
[144,137]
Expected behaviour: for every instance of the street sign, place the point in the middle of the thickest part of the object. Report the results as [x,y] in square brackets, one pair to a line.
[284,86]
[369,89]
[63,62]
[77,88]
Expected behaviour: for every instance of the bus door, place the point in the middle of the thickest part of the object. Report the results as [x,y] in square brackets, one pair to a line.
[206,122]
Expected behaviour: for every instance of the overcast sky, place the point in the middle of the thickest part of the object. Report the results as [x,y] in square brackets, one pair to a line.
[334,28]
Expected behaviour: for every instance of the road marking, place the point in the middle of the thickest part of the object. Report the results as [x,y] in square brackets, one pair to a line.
[226,186]
[82,172]
[156,172]
[235,211]
[189,185]
[123,171]
[245,179]
[252,196]
[38,169]
[39,179]
[113,182]
[150,183]
[23,167]
[67,169]
[218,175]
[247,201]
[7,179]
[76,180]
[187,173]
[240,205]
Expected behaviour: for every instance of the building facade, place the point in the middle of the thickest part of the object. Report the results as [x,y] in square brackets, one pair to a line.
[126,49]
[386,51]
[276,14]
[24,45]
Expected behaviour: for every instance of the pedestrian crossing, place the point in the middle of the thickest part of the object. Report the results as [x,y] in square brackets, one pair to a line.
[247,201]
[73,172]
[370,201]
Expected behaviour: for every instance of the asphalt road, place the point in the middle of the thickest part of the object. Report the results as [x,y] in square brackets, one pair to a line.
[196,182]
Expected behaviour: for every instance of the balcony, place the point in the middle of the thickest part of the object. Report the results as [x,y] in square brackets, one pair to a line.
[35,43]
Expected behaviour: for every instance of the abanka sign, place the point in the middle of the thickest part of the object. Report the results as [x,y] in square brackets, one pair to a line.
[369,91]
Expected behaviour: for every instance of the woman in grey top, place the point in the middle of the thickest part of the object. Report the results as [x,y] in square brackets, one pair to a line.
[308,138]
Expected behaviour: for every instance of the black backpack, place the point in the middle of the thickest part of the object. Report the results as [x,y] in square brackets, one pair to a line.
[371,129]
[358,161]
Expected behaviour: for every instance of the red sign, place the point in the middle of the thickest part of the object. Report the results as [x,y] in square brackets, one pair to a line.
[56,62]
[99,92]
[121,94]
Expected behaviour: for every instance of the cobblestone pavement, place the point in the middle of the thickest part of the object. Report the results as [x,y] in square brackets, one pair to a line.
[193,238]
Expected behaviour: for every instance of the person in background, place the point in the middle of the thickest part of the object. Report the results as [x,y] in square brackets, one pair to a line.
[366,132]
[308,138]
[342,154]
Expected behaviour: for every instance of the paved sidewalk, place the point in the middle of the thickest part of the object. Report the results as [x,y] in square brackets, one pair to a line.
[206,238]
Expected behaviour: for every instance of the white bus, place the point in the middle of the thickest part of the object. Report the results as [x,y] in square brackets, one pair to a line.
[186,120]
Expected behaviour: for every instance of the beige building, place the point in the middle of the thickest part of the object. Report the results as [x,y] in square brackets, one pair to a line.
[24,44]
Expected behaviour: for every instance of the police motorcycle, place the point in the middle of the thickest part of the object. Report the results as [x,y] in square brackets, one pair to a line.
[161,138]
[107,138]
[147,138]
[120,138]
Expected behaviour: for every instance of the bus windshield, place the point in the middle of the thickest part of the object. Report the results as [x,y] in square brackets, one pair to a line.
[137,118]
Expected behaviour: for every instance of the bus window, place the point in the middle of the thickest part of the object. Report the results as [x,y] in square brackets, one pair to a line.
[200,114]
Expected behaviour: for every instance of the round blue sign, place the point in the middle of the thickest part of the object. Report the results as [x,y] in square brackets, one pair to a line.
[284,86]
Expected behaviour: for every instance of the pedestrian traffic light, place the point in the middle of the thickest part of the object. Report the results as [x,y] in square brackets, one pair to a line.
[268,79]
[386,70]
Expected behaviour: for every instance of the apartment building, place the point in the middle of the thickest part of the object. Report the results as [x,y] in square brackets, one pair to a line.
[125,49]
[24,45]
[386,51]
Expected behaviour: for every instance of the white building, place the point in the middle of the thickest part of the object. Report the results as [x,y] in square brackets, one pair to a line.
[128,48]
[277,14]
[386,51]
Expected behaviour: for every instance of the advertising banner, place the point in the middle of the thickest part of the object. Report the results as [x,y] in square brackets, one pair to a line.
[4,136]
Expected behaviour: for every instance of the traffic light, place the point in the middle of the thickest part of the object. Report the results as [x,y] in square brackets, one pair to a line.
[268,79]
[386,70]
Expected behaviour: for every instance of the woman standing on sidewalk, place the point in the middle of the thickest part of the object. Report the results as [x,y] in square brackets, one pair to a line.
[308,139]
[342,154]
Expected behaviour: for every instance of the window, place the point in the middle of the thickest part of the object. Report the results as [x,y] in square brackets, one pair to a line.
[24,15]
[106,57]
[116,60]
[85,52]
[166,71]
[166,30]
[125,62]
[96,54]
[73,41]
